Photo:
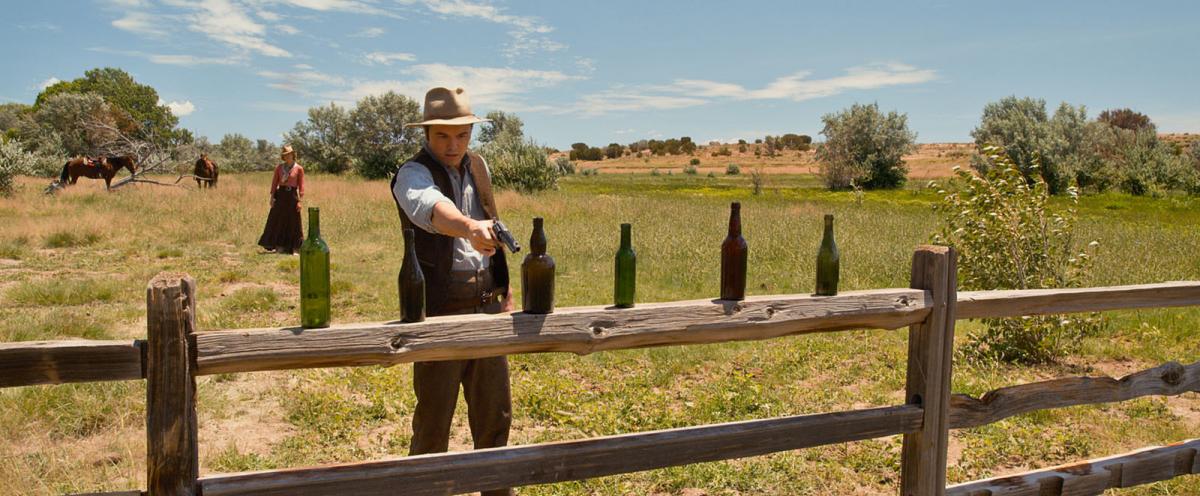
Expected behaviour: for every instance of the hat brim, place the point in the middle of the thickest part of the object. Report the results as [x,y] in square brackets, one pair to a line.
[457,121]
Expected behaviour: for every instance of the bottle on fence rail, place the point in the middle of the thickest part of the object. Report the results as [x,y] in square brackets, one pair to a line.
[828,261]
[314,275]
[411,283]
[537,274]
[625,270]
[734,253]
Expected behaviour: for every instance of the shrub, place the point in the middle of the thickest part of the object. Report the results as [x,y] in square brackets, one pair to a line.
[711,174]
[1009,236]
[732,170]
[520,165]
[565,166]
[742,147]
[1146,166]
[694,161]
[654,172]
[1126,119]
[1057,148]
[866,146]
[690,170]
[757,180]
[14,161]
[614,150]
[378,140]
[589,172]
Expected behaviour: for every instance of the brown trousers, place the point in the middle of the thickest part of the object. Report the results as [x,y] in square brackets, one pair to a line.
[484,382]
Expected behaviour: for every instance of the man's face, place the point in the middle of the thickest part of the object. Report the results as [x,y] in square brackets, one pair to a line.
[449,143]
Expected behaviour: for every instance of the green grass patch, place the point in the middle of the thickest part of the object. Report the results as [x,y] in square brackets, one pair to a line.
[63,292]
[15,248]
[70,239]
[246,300]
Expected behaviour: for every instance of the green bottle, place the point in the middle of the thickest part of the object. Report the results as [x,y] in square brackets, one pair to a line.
[828,261]
[537,274]
[314,275]
[411,282]
[626,270]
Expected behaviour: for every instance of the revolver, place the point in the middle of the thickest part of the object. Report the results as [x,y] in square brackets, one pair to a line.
[505,236]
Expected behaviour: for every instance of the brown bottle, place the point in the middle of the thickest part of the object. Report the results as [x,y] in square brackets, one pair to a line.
[411,283]
[537,274]
[733,258]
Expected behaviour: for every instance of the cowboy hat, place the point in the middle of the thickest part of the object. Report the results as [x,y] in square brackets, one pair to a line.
[444,106]
[287,149]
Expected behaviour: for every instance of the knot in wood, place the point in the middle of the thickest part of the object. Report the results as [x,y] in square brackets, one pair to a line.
[598,326]
[397,342]
[1173,374]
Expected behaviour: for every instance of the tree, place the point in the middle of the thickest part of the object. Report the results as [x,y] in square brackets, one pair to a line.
[686,145]
[614,150]
[73,124]
[792,141]
[502,124]
[379,142]
[865,146]
[236,153]
[323,139]
[1020,127]
[1126,119]
[142,116]
[520,164]
[266,154]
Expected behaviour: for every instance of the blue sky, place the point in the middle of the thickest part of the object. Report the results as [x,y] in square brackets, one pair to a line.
[620,70]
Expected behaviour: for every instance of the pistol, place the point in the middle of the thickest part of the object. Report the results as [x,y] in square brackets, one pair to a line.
[505,236]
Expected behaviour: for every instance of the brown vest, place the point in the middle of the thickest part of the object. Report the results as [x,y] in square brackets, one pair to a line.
[435,252]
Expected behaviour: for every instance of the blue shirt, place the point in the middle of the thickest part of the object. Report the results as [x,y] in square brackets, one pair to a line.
[417,194]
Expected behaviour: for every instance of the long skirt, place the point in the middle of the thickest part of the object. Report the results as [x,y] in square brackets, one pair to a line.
[283,232]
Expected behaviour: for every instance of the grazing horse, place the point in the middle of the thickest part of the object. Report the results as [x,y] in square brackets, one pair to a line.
[206,172]
[95,168]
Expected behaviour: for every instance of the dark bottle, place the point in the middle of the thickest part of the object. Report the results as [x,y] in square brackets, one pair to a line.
[828,261]
[537,274]
[626,270]
[411,283]
[314,275]
[733,258]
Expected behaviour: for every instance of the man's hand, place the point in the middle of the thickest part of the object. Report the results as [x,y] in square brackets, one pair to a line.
[506,305]
[481,238]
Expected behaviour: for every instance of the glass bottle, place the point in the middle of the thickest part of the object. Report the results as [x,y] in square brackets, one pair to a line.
[411,283]
[733,258]
[537,274]
[314,275]
[625,270]
[828,261]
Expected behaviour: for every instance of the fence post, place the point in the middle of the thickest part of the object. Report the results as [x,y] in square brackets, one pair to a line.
[930,347]
[172,455]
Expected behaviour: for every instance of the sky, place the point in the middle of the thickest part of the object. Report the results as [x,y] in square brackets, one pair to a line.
[619,71]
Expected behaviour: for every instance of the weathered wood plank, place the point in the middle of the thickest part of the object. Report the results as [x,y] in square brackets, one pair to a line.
[1091,477]
[1014,303]
[27,363]
[930,355]
[461,472]
[579,330]
[1169,379]
[114,493]
[172,441]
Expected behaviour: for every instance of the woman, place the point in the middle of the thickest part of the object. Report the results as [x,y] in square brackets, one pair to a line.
[283,233]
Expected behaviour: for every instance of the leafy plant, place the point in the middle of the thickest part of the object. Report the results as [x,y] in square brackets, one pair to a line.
[864,145]
[1009,236]
[520,164]
[732,170]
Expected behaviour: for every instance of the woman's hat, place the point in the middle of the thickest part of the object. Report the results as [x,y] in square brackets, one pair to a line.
[287,150]
[444,106]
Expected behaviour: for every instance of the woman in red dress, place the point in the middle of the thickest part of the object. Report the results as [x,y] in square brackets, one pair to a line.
[283,233]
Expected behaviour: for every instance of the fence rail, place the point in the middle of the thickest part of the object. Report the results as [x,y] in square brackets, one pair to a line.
[173,355]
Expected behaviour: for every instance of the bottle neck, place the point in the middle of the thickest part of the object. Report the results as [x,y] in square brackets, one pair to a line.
[735,220]
[410,245]
[537,241]
[828,226]
[626,236]
[314,223]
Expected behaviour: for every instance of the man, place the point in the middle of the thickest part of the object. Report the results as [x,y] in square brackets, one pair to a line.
[444,194]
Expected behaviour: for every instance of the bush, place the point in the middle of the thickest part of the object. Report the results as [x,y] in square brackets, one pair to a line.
[1035,142]
[654,172]
[565,166]
[614,150]
[1126,119]
[711,174]
[732,170]
[14,161]
[757,180]
[690,170]
[520,165]
[865,146]
[590,172]
[1146,166]
[1009,236]
[694,161]
[378,140]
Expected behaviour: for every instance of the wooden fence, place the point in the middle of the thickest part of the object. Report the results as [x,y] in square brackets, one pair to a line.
[173,355]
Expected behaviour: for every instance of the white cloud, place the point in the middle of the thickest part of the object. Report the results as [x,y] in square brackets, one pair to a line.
[188,60]
[487,86]
[280,107]
[386,58]
[528,33]
[286,29]
[50,81]
[796,87]
[369,33]
[268,16]
[180,109]
[228,23]
[141,23]
[305,67]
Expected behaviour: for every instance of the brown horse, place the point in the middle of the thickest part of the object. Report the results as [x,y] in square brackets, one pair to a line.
[96,168]
[206,172]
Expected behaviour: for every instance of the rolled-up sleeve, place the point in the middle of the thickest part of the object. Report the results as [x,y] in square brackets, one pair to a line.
[416,194]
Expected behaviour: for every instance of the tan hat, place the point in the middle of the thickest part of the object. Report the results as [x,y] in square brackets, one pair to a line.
[444,106]
[287,149]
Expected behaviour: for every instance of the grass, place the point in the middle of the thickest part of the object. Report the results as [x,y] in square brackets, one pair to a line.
[80,438]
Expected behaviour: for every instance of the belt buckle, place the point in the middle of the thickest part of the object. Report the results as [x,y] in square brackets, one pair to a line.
[486,297]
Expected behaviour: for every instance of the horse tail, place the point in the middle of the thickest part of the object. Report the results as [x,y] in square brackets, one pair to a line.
[62,178]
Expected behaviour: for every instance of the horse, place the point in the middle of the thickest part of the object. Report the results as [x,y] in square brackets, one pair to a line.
[95,168]
[206,172]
